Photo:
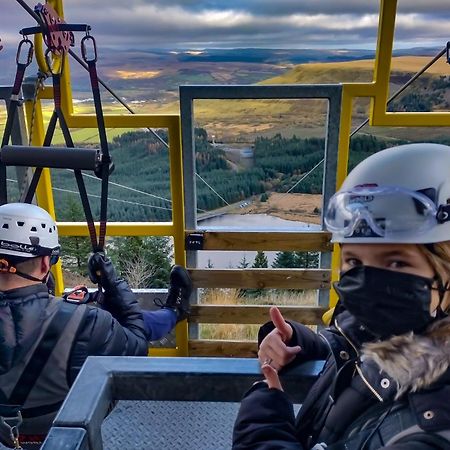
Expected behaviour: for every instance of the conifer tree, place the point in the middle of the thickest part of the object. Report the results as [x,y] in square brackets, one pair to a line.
[260,261]
[307,260]
[284,260]
[75,250]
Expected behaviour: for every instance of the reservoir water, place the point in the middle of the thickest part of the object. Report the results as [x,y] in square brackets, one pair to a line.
[246,222]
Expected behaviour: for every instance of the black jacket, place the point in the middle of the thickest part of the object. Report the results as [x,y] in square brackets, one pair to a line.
[116,329]
[392,395]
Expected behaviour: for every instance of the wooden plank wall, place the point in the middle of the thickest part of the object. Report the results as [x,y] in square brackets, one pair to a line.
[254,279]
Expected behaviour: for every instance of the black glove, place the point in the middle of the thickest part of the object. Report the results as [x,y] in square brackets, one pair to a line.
[101,269]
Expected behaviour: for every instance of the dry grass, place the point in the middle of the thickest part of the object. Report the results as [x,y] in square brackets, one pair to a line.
[231,297]
[296,207]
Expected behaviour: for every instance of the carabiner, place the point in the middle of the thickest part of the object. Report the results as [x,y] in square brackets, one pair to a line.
[86,38]
[29,54]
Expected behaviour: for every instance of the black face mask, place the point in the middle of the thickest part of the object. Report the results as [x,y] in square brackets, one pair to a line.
[386,302]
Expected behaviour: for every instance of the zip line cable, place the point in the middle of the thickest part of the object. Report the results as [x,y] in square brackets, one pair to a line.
[98,196]
[30,11]
[111,91]
[305,176]
[126,187]
[218,195]
[390,99]
[84,65]
[115,199]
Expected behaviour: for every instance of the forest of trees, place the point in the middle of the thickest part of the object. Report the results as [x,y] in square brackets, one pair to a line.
[142,164]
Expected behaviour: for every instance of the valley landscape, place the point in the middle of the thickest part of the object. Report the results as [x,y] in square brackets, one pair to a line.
[148,82]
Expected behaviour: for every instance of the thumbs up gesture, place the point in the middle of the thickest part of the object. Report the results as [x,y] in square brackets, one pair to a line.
[273,350]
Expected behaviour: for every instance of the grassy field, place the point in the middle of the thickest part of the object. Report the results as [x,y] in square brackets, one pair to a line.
[243,120]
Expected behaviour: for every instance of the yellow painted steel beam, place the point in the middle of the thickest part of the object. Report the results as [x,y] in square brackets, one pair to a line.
[345,127]
[119,228]
[44,189]
[177,194]
[360,89]
[383,57]
[412,119]
[124,121]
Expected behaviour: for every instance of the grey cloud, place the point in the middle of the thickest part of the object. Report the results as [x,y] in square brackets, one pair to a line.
[259,23]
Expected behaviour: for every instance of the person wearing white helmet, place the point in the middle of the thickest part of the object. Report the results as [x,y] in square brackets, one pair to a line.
[44,341]
[386,380]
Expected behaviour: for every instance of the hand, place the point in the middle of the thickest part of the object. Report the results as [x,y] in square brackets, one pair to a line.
[273,348]
[272,378]
[101,269]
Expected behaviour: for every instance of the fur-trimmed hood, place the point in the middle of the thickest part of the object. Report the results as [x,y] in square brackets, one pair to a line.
[413,361]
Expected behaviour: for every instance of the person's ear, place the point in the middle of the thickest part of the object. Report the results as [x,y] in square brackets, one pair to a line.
[45,264]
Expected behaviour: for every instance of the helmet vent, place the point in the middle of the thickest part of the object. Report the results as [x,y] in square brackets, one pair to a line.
[50,230]
[33,229]
[20,224]
[6,226]
[43,225]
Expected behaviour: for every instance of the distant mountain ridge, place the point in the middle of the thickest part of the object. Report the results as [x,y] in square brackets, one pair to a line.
[171,67]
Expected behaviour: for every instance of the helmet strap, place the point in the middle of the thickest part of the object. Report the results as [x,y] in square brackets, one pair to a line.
[6,267]
[30,277]
[442,289]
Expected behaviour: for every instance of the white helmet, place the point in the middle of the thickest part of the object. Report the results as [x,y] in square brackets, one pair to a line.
[27,231]
[398,195]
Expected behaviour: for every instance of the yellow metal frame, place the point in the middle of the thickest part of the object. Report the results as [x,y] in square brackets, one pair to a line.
[175,229]
[377,91]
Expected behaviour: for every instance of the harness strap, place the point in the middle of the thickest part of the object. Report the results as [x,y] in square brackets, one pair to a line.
[106,158]
[30,374]
[40,356]
[58,116]
[12,107]
[12,111]
[37,173]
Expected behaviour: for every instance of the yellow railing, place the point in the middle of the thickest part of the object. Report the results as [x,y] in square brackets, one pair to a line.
[174,229]
[377,91]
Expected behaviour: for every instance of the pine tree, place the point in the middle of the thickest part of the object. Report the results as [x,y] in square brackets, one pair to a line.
[307,260]
[260,260]
[243,263]
[284,260]
[75,250]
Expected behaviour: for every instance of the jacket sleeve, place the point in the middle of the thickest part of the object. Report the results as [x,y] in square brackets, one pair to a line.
[313,346]
[115,330]
[265,421]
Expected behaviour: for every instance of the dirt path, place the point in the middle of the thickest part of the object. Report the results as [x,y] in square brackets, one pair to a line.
[299,207]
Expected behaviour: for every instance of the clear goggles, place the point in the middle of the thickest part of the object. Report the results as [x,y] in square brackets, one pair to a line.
[386,211]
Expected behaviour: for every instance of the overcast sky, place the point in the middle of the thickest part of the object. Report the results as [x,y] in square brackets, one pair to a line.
[201,24]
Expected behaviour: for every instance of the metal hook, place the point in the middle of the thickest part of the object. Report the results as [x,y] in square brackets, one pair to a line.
[29,54]
[13,428]
[86,38]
